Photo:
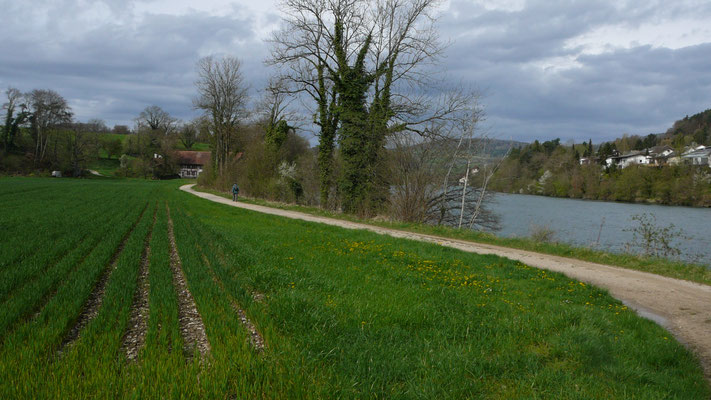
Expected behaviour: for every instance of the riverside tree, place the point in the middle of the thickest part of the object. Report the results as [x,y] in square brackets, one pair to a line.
[222,96]
[362,63]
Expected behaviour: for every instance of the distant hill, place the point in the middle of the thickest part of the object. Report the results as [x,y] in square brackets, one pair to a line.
[696,128]
[498,148]
[495,148]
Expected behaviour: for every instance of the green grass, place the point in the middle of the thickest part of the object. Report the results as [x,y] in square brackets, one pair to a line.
[660,266]
[345,314]
[106,166]
[199,146]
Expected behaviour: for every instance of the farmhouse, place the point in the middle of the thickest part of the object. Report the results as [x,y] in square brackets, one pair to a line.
[192,162]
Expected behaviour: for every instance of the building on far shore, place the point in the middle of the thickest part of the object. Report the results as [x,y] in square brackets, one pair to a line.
[192,162]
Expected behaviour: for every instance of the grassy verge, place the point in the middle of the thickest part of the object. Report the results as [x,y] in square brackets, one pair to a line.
[660,266]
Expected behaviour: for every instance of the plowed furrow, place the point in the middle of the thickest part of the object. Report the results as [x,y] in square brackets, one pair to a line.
[255,338]
[93,303]
[191,325]
[135,336]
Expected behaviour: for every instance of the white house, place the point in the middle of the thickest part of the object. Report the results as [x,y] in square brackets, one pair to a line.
[623,161]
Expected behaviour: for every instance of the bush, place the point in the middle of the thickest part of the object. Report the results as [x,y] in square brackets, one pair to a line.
[542,233]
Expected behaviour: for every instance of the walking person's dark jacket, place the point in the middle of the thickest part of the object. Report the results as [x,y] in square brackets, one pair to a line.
[235,192]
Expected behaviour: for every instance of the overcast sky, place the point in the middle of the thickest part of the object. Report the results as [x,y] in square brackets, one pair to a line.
[569,69]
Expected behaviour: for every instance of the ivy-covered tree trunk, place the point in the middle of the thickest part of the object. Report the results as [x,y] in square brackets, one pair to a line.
[328,121]
[352,86]
[380,115]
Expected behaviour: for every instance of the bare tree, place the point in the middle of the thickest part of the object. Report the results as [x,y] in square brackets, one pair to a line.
[275,104]
[416,168]
[440,174]
[79,147]
[222,96]
[189,133]
[157,119]
[97,125]
[303,50]
[121,129]
[468,206]
[49,110]
[363,65]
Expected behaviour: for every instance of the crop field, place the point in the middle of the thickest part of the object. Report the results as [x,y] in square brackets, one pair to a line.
[134,289]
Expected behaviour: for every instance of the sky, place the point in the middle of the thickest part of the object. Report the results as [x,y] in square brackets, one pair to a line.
[575,70]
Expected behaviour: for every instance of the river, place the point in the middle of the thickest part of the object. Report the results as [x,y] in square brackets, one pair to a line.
[578,222]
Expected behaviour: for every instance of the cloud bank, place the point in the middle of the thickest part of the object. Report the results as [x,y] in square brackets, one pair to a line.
[568,69]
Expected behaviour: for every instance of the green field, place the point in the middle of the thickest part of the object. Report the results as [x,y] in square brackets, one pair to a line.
[343,314]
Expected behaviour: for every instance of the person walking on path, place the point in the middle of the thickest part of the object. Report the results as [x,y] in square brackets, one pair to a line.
[235,192]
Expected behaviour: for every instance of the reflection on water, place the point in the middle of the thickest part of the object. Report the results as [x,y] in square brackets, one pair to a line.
[579,222]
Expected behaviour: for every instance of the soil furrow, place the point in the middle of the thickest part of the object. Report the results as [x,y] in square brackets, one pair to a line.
[93,303]
[255,338]
[191,326]
[135,336]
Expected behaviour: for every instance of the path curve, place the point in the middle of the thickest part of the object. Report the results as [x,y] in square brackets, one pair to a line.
[682,307]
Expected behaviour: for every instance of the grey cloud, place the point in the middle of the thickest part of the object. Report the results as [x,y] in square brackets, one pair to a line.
[639,90]
[115,70]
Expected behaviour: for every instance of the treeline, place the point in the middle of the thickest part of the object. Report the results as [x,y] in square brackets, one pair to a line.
[552,169]
[40,134]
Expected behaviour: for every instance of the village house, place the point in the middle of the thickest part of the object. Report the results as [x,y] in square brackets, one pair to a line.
[625,160]
[588,161]
[660,154]
[192,162]
[700,156]
[655,156]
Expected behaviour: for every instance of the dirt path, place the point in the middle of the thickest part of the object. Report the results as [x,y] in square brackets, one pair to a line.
[683,307]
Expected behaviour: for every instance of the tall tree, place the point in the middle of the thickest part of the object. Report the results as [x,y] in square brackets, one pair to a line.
[78,147]
[385,44]
[275,115]
[157,119]
[49,110]
[303,50]
[13,121]
[222,96]
[188,133]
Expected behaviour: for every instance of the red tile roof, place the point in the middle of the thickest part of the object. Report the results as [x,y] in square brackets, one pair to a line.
[193,157]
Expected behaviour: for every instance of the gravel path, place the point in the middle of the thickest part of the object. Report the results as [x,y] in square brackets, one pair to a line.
[682,307]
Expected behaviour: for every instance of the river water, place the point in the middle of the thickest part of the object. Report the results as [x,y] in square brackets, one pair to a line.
[578,222]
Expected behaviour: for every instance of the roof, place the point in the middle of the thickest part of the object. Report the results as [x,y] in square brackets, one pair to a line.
[660,149]
[193,157]
[629,155]
[698,153]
